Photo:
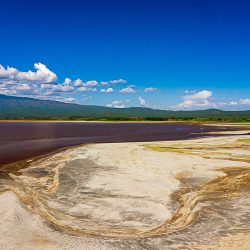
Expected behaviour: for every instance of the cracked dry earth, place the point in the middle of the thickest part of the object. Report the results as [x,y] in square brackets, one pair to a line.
[190,194]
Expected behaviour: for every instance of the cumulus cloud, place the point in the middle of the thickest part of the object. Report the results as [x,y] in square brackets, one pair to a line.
[200,100]
[8,72]
[41,75]
[78,82]
[46,86]
[118,81]
[232,103]
[69,99]
[142,101]
[150,89]
[118,104]
[67,81]
[197,100]
[189,91]
[42,83]
[58,98]
[104,83]
[62,88]
[204,94]
[241,103]
[189,104]
[16,82]
[86,89]
[5,91]
[108,90]
[129,89]
[23,87]
[244,101]
[57,87]
[91,83]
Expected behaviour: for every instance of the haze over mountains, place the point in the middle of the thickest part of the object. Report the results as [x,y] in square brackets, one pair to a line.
[12,107]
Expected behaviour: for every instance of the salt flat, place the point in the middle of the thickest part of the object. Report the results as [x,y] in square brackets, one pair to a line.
[122,195]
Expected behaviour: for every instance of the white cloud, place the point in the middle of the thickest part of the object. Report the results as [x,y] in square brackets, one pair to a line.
[244,101]
[78,82]
[118,81]
[47,86]
[58,98]
[190,91]
[204,94]
[91,83]
[104,83]
[201,100]
[118,104]
[232,103]
[23,87]
[57,87]
[62,88]
[13,81]
[150,89]
[69,99]
[108,90]
[42,83]
[241,103]
[129,89]
[5,91]
[8,72]
[187,104]
[41,75]
[86,89]
[197,100]
[206,104]
[142,101]
[67,81]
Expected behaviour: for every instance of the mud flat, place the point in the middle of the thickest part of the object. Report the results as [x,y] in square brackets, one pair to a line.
[187,194]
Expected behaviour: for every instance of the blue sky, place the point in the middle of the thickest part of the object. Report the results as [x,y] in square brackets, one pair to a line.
[160,54]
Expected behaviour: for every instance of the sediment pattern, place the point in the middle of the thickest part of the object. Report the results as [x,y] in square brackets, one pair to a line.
[138,191]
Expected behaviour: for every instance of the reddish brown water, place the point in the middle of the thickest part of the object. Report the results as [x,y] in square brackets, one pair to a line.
[24,140]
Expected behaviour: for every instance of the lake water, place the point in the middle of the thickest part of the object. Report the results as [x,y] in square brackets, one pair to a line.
[24,140]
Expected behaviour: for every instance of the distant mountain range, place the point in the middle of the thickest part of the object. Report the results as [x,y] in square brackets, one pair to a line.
[12,107]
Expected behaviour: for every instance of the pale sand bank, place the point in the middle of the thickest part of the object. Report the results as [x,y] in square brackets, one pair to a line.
[129,191]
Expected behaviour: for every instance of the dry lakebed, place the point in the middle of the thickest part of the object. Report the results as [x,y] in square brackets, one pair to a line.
[186,194]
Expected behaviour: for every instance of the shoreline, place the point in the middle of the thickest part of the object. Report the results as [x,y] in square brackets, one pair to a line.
[15,166]
[194,178]
[42,138]
[212,123]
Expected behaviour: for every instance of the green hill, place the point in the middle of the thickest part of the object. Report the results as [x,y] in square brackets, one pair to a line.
[12,107]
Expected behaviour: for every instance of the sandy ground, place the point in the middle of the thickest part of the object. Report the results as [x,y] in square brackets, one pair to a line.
[237,241]
[132,195]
